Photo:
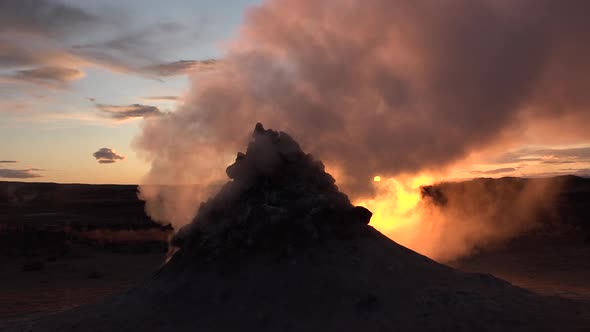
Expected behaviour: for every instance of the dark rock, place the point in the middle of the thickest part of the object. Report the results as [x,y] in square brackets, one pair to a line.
[94,274]
[30,266]
[278,198]
[368,303]
[361,214]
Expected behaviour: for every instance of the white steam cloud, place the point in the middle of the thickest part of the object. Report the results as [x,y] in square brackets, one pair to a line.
[374,87]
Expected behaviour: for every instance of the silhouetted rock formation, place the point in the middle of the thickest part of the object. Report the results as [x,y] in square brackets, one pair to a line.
[279,197]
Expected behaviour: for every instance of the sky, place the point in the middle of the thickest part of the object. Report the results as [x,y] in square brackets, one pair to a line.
[65,64]
[78,79]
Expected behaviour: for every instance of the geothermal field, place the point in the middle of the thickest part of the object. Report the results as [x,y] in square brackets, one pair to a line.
[294,165]
[279,247]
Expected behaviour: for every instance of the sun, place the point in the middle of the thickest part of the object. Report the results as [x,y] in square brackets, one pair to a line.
[377,178]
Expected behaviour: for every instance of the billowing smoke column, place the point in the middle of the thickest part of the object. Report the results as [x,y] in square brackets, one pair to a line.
[374,87]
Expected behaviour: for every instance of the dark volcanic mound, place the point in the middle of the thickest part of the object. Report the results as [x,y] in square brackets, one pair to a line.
[281,249]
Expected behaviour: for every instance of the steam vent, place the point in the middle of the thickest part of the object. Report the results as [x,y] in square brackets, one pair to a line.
[280,248]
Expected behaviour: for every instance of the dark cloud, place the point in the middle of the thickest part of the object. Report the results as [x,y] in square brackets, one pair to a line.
[107,156]
[124,112]
[138,44]
[33,36]
[48,75]
[27,55]
[144,51]
[40,43]
[496,171]
[558,162]
[182,67]
[18,173]
[161,98]
[43,17]
[8,161]
[122,51]
[12,55]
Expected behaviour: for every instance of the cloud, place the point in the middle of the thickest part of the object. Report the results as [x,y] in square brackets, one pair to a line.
[579,153]
[43,17]
[18,173]
[14,55]
[144,51]
[496,171]
[47,75]
[24,53]
[107,156]
[547,155]
[558,162]
[161,98]
[8,161]
[138,44]
[183,67]
[40,43]
[125,112]
[34,36]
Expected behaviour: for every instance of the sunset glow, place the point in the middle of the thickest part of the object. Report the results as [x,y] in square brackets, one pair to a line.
[395,202]
[270,165]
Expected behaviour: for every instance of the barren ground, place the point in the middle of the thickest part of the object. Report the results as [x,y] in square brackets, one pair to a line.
[561,268]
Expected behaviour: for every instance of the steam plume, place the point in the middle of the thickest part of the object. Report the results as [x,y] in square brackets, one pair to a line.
[374,87]
[451,220]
